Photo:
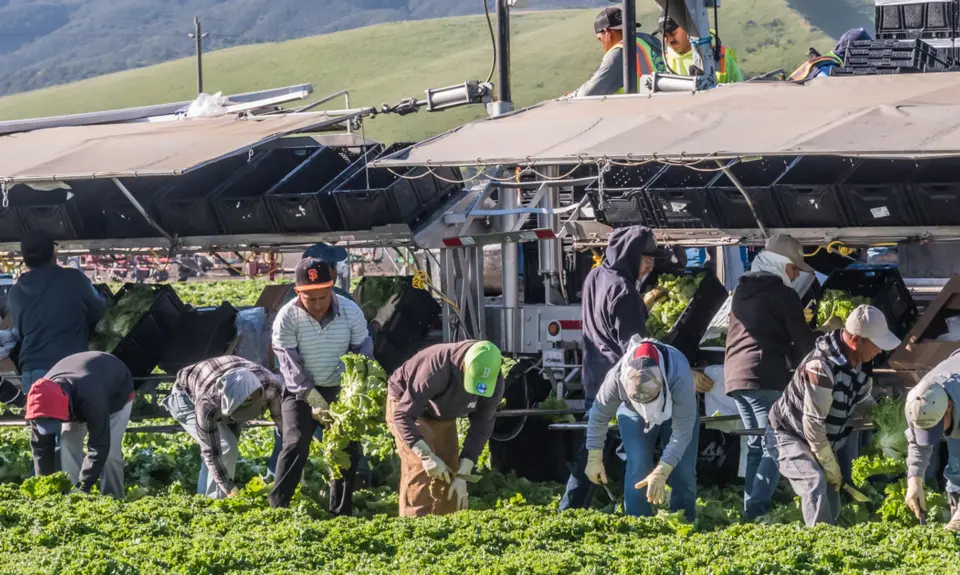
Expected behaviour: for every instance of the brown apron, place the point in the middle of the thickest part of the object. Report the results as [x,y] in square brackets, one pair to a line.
[419,494]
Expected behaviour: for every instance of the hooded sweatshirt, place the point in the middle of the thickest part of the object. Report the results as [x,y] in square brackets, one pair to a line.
[613,309]
[53,309]
[768,335]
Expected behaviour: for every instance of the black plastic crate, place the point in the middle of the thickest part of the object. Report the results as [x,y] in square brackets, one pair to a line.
[693,322]
[200,334]
[886,290]
[680,208]
[303,202]
[240,202]
[11,228]
[807,192]
[107,213]
[732,211]
[875,193]
[932,19]
[872,71]
[185,204]
[145,344]
[375,197]
[624,202]
[54,211]
[934,192]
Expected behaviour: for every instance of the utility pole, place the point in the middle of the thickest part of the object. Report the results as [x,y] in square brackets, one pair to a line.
[198,36]
[629,14]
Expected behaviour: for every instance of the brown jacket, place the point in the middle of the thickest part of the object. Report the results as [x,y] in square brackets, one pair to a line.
[767,337]
[430,385]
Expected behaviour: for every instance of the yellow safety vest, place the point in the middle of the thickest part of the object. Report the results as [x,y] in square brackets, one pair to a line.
[728,71]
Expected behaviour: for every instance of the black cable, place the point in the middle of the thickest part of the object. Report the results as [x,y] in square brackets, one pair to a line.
[493,41]
[663,38]
[716,31]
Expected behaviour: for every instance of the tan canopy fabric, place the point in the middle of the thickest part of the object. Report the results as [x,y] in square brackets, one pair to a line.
[894,116]
[139,149]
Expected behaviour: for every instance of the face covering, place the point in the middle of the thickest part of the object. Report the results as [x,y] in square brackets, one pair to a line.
[774,264]
[653,411]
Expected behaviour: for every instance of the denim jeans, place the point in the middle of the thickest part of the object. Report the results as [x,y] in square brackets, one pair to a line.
[819,502]
[27,379]
[640,446]
[762,475]
[579,492]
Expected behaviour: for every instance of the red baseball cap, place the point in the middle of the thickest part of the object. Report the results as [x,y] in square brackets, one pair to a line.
[46,401]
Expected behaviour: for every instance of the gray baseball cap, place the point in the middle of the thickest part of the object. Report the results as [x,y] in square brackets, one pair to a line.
[925,410]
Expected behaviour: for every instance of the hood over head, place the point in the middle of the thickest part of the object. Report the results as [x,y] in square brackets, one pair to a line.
[37,280]
[626,248]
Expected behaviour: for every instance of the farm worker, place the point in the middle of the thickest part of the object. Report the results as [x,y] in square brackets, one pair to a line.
[680,54]
[85,393]
[608,79]
[931,415]
[768,333]
[613,312]
[210,399]
[814,416]
[651,392]
[310,334]
[819,66]
[54,308]
[424,399]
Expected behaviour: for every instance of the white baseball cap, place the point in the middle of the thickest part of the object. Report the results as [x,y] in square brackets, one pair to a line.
[926,407]
[868,322]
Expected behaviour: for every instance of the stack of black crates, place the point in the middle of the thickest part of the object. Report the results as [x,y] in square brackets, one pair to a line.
[910,38]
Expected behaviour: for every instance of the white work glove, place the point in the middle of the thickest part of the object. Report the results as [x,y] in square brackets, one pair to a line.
[831,468]
[319,407]
[433,465]
[653,295]
[954,524]
[916,499]
[595,471]
[656,483]
[386,312]
[458,488]
[702,382]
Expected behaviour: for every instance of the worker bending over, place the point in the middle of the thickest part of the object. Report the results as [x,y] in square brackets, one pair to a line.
[651,392]
[813,418]
[310,335]
[608,79]
[932,415]
[680,54]
[425,397]
[85,393]
[211,399]
[768,335]
[613,312]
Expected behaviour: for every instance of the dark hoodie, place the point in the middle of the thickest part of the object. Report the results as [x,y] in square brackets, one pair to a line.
[53,310]
[613,309]
[768,335]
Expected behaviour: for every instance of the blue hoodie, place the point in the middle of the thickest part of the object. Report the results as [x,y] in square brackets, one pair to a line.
[613,309]
[53,310]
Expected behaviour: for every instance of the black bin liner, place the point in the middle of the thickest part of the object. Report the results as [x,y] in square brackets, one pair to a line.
[143,347]
[400,339]
[886,290]
[200,334]
[303,202]
[693,322]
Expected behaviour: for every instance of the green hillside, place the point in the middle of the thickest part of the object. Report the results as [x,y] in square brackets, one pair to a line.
[553,52]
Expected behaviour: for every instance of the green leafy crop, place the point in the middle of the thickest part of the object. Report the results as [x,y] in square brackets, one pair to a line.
[837,303]
[663,315]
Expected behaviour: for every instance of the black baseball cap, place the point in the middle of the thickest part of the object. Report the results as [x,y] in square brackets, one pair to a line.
[668,24]
[313,274]
[36,243]
[610,18]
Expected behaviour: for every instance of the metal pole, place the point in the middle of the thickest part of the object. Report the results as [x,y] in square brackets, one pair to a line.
[549,250]
[629,12]
[142,211]
[198,36]
[504,94]
[510,275]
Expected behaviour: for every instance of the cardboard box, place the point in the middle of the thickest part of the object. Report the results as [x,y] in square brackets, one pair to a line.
[920,350]
[272,299]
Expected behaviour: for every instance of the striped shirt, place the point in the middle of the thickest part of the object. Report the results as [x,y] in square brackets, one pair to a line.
[820,402]
[318,345]
[199,381]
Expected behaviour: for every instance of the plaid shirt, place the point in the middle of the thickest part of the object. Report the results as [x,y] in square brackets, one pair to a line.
[199,381]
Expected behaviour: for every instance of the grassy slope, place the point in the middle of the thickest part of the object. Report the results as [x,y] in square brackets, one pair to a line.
[553,52]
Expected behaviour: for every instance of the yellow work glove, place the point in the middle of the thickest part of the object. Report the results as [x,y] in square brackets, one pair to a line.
[831,468]
[458,488]
[233,492]
[653,295]
[595,471]
[807,315]
[916,499]
[433,465]
[319,408]
[702,382]
[656,483]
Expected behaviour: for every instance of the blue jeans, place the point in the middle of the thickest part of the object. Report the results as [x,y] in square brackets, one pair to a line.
[579,492]
[640,446]
[27,379]
[762,475]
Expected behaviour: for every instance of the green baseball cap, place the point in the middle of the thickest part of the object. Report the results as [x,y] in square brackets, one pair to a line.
[481,368]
